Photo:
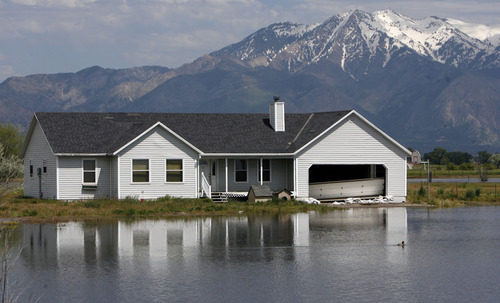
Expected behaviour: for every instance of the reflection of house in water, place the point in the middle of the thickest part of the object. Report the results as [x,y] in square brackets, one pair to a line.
[217,237]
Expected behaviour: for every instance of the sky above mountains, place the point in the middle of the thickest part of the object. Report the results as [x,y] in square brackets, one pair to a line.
[51,36]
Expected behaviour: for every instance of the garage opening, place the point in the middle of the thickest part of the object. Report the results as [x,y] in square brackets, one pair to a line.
[346,181]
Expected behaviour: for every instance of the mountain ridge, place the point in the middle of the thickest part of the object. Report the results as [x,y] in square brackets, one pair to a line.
[426,82]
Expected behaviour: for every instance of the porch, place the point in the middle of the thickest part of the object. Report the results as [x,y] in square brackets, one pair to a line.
[222,178]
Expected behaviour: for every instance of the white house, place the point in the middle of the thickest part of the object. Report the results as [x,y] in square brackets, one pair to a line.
[148,155]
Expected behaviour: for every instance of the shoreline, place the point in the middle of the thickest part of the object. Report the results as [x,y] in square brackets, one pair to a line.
[186,214]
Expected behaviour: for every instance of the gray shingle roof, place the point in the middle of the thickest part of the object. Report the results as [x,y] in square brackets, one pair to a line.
[261,190]
[97,133]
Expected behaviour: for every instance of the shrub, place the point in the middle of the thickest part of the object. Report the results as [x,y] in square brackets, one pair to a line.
[92,204]
[163,199]
[131,200]
[422,191]
[469,194]
[130,212]
[466,166]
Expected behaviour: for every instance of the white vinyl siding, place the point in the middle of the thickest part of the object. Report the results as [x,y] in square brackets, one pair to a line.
[113,163]
[38,154]
[277,116]
[157,146]
[71,182]
[355,142]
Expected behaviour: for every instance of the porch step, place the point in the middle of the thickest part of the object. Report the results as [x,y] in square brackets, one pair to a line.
[219,197]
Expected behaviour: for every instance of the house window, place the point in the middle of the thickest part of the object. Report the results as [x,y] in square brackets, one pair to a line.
[44,166]
[31,169]
[140,170]
[266,170]
[240,170]
[89,171]
[174,170]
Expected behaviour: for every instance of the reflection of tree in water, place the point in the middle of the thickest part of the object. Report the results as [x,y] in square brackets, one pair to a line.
[10,249]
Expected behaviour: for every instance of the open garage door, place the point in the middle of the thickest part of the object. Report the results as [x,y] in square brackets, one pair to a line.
[346,181]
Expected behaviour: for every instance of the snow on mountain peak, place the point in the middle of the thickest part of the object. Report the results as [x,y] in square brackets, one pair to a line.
[291,29]
[356,34]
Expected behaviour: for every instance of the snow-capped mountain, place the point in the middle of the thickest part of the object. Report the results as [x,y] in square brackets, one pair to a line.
[375,39]
[428,83]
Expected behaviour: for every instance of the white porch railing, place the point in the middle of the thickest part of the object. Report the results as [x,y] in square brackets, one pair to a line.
[206,188]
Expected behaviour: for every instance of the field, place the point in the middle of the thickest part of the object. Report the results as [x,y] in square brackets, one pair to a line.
[454,194]
[442,171]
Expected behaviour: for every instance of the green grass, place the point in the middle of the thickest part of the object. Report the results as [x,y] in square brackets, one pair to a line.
[52,210]
[454,194]
[443,171]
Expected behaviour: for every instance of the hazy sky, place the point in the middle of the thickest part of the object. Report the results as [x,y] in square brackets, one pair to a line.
[50,36]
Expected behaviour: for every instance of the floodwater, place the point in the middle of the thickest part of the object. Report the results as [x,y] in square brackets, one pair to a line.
[346,255]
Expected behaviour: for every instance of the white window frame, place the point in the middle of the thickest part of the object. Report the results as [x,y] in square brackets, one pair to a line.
[132,171]
[258,170]
[235,170]
[174,170]
[84,171]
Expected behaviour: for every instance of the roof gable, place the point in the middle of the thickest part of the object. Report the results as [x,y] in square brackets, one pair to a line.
[356,114]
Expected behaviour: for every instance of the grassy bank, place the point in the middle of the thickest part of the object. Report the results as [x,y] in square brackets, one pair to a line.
[29,209]
[455,194]
[14,205]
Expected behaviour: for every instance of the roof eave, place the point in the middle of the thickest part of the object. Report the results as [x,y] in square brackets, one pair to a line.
[232,155]
[82,154]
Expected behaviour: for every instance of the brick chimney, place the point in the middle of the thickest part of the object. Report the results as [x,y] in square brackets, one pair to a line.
[277,115]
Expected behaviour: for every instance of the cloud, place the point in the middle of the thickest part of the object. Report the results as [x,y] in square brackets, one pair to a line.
[54,3]
[6,71]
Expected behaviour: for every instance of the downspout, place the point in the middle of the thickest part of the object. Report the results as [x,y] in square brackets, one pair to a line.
[118,178]
[110,169]
[261,172]
[57,177]
[227,188]
[39,173]
[197,180]
[295,178]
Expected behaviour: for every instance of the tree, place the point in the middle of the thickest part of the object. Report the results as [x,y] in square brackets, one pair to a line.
[11,139]
[495,160]
[11,167]
[483,157]
[437,156]
[458,157]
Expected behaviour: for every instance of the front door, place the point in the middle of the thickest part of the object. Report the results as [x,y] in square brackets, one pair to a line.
[210,171]
[213,175]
